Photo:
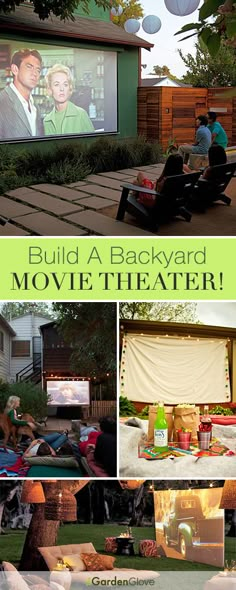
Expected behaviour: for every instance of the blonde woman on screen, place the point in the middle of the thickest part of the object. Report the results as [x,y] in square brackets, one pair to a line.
[65,117]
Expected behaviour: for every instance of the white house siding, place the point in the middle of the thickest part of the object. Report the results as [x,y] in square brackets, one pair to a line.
[26,327]
[5,355]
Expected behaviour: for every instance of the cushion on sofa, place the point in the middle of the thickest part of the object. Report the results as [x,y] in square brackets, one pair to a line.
[53,461]
[75,562]
[92,562]
[107,561]
[51,554]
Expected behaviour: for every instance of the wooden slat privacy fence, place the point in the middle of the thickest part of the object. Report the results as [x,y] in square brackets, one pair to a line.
[102,408]
[166,113]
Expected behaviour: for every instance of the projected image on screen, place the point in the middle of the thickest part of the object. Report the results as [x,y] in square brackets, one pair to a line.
[47,90]
[68,393]
[190,525]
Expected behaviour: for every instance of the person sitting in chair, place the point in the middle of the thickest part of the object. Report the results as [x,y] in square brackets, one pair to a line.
[12,404]
[174,166]
[202,143]
[216,157]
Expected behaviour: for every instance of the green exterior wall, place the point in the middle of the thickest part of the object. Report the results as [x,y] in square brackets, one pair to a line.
[127,61]
[94,12]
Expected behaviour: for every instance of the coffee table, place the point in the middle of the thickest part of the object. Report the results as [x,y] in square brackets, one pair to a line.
[125,545]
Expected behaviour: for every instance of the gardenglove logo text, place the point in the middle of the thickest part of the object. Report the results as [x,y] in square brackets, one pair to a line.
[132,581]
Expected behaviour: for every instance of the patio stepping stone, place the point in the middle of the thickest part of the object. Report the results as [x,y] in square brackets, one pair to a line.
[69,194]
[101,191]
[94,202]
[12,230]
[48,203]
[108,182]
[74,184]
[105,226]
[47,225]
[116,175]
[11,208]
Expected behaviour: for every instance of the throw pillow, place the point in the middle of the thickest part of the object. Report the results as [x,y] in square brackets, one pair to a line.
[92,562]
[107,561]
[53,461]
[75,562]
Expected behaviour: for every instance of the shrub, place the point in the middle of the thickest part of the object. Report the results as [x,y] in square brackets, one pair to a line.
[33,398]
[101,155]
[144,414]
[71,162]
[67,171]
[221,410]
[126,407]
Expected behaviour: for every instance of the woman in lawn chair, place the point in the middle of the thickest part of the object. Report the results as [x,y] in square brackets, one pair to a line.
[174,166]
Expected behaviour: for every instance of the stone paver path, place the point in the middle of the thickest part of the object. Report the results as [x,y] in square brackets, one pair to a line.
[89,207]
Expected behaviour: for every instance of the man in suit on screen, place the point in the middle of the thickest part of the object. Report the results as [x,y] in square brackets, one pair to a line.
[19,117]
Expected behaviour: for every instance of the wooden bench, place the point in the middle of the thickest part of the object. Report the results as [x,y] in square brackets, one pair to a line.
[197,161]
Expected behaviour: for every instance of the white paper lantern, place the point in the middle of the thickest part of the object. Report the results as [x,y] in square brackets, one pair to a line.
[132,25]
[151,24]
[181,7]
[116,11]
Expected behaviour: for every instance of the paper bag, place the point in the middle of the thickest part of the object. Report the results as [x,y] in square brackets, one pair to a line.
[186,418]
[152,418]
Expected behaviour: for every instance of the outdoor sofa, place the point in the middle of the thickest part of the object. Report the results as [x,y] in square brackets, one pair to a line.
[70,554]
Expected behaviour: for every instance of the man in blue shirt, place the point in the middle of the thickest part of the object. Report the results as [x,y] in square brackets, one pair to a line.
[202,143]
[218,134]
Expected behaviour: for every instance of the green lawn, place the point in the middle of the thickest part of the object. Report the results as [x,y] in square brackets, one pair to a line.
[11,546]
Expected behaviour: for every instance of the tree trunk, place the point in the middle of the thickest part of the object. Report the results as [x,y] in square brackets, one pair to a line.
[98,506]
[42,532]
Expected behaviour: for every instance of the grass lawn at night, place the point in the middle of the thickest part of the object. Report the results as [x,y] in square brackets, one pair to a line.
[11,546]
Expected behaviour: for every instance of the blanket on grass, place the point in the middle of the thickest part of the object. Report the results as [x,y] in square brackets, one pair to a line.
[11,463]
[185,467]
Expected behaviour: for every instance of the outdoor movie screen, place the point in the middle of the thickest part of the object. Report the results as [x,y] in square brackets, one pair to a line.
[68,393]
[50,90]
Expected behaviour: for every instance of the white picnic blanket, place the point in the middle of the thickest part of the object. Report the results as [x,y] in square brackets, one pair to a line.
[186,467]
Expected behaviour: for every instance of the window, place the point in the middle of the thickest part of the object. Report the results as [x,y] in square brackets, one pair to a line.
[20,348]
[1,341]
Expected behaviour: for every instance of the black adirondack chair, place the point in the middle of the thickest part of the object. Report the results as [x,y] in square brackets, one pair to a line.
[207,191]
[168,204]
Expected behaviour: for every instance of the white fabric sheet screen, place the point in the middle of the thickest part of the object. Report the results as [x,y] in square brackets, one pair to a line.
[174,370]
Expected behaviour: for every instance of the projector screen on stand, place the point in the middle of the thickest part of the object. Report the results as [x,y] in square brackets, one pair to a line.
[68,393]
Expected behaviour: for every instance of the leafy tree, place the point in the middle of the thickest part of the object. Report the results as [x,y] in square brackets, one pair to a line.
[64,9]
[131,9]
[163,71]
[135,311]
[12,310]
[91,329]
[220,29]
[205,71]
[163,312]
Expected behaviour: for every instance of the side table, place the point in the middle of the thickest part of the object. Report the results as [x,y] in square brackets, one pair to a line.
[125,545]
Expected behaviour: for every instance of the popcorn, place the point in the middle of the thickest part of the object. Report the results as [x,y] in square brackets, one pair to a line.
[185,406]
